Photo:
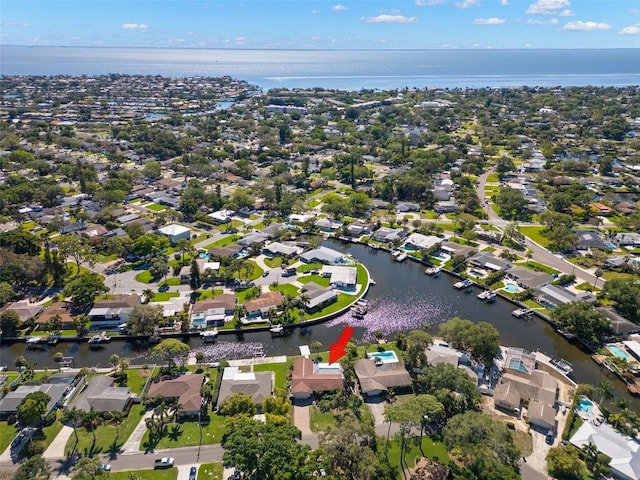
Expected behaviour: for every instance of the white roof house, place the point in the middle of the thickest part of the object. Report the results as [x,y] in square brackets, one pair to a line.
[277,248]
[423,242]
[176,232]
[222,216]
[323,255]
[340,276]
[623,451]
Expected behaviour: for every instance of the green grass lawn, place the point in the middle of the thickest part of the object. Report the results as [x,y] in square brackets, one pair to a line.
[7,433]
[535,234]
[206,294]
[136,378]
[210,471]
[100,258]
[609,275]
[155,207]
[286,289]
[429,214]
[273,262]
[171,282]
[105,434]
[319,421]
[164,296]
[242,295]
[431,448]
[257,272]
[342,302]
[538,267]
[313,203]
[222,242]
[187,434]
[281,369]
[144,277]
[493,178]
[305,267]
[322,281]
[167,474]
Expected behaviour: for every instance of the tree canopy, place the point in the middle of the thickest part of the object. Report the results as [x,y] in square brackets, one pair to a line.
[84,289]
[481,339]
[582,320]
[32,407]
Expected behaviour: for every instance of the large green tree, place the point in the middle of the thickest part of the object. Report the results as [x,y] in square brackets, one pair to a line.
[170,349]
[485,446]
[32,407]
[73,246]
[582,320]
[481,339]
[34,468]
[143,319]
[264,450]
[626,293]
[564,463]
[84,289]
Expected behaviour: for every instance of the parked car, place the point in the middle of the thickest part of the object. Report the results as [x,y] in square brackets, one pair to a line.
[192,473]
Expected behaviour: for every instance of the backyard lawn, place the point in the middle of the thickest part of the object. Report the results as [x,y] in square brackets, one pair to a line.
[164,296]
[431,448]
[155,207]
[322,281]
[7,432]
[281,369]
[222,242]
[286,289]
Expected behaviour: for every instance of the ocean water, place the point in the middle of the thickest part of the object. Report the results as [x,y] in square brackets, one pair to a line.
[341,69]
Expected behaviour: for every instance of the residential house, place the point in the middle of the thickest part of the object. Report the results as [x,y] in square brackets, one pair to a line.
[185,271]
[625,208]
[184,388]
[265,302]
[222,216]
[253,238]
[360,228]
[452,249]
[213,312]
[24,308]
[112,312]
[446,207]
[552,296]
[309,377]
[318,297]
[64,312]
[101,394]
[628,239]
[422,242]
[175,232]
[375,379]
[258,385]
[624,451]
[403,207]
[619,325]
[278,249]
[590,239]
[56,386]
[602,209]
[541,415]
[527,278]
[340,277]
[274,230]
[94,231]
[325,255]
[327,224]
[487,261]
[492,236]
[389,235]
[230,251]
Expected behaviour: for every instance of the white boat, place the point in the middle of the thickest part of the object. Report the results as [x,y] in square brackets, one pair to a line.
[396,253]
[463,284]
[522,312]
[362,303]
[401,258]
[209,335]
[276,330]
[36,342]
[562,365]
[433,271]
[483,295]
[491,296]
[99,339]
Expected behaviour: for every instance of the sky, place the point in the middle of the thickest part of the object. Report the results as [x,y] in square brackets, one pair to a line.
[321,24]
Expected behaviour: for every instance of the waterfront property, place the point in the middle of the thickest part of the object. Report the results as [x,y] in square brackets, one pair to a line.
[112,312]
[340,277]
[57,386]
[309,377]
[376,378]
[100,394]
[623,451]
[185,389]
[258,385]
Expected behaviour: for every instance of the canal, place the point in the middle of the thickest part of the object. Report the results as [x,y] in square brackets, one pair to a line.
[403,299]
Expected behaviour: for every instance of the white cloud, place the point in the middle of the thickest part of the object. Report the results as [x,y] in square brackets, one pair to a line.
[467,4]
[314,12]
[504,2]
[631,30]
[567,13]
[15,24]
[489,21]
[547,7]
[141,27]
[532,21]
[389,19]
[240,40]
[635,11]
[429,3]
[339,8]
[586,26]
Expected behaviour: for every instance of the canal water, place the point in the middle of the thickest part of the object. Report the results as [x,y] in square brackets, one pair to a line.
[403,299]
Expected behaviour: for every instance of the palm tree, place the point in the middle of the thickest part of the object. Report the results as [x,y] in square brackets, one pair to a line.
[316,346]
[598,273]
[73,416]
[148,294]
[606,391]
[116,418]
[91,420]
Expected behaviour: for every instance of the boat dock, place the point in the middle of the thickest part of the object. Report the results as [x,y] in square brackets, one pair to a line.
[522,312]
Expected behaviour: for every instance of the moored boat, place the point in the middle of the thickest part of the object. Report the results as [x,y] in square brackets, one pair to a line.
[97,340]
[483,295]
[522,312]
[432,271]
[209,335]
[562,365]
[401,258]
[276,330]
[463,284]
[491,296]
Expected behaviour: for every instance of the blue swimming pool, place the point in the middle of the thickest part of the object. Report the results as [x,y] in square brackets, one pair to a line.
[585,407]
[204,255]
[511,288]
[386,357]
[611,246]
[618,352]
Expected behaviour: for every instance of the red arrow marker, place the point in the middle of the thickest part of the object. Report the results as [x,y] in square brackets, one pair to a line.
[337,350]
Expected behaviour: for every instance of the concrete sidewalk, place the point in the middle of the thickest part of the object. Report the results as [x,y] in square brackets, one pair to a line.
[132,445]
